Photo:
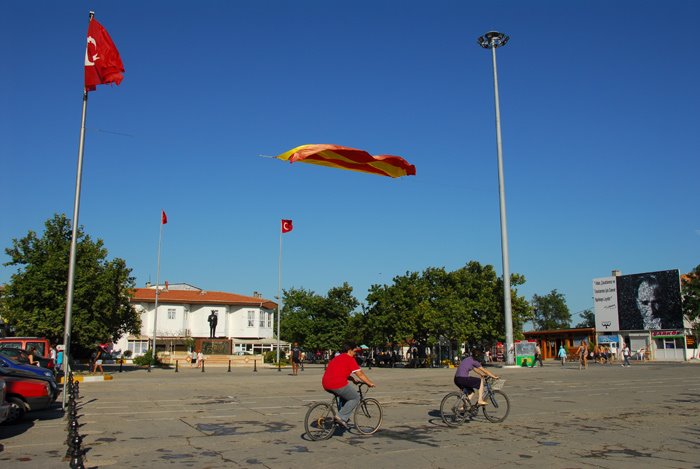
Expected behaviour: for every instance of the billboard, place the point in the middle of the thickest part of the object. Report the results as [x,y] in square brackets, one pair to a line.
[605,302]
[649,301]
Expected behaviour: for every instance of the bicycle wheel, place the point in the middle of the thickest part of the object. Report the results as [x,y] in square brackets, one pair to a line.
[319,422]
[368,416]
[497,408]
[452,409]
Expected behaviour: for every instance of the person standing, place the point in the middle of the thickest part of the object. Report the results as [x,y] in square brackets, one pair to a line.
[200,359]
[582,352]
[296,358]
[562,354]
[59,358]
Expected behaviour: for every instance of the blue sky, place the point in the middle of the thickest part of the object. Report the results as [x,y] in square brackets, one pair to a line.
[599,108]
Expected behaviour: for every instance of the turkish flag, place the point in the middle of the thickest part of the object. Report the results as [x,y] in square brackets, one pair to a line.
[287,226]
[163,218]
[102,62]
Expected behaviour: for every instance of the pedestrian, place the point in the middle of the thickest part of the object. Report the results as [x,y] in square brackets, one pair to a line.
[52,353]
[200,359]
[296,358]
[562,354]
[59,358]
[582,352]
[538,356]
[626,355]
[97,363]
[33,356]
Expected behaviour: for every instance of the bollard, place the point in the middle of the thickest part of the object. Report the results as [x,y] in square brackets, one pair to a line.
[202,366]
[229,366]
[121,363]
[177,363]
[279,366]
[255,366]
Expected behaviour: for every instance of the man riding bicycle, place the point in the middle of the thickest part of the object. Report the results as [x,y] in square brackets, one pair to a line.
[335,380]
[463,381]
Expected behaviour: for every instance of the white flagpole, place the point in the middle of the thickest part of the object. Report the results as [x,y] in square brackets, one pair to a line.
[279,300]
[73,246]
[155,311]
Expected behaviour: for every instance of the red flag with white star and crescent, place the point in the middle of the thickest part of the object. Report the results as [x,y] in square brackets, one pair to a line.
[287,226]
[102,62]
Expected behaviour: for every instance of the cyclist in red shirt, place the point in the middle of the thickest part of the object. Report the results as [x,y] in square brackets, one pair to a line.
[335,380]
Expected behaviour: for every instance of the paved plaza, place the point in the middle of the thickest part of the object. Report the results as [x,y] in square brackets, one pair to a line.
[647,415]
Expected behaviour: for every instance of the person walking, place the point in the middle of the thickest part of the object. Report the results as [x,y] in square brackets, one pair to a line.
[538,356]
[562,354]
[626,356]
[98,361]
[296,358]
[200,359]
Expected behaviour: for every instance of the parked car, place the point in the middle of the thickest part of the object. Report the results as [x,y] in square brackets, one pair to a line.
[22,356]
[4,405]
[42,344]
[24,393]
[32,371]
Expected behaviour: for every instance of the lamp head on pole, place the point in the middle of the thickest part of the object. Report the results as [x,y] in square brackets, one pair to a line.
[493,39]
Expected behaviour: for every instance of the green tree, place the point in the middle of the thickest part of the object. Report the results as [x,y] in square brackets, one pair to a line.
[550,311]
[690,291]
[587,318]
[35,298]
[318,322]
[464,306]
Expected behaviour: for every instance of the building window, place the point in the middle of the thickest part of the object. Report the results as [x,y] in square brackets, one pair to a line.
[262,319]
[171,313]
[138,347]
[269,320]
[251,318]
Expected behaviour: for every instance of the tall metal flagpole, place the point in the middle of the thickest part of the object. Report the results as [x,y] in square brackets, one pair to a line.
[279,300]
[73,246]
[155,311]
[493,40]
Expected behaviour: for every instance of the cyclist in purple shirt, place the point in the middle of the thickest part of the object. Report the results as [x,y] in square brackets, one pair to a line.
[463,380]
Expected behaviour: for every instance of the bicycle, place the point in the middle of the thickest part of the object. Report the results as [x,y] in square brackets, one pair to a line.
[320,423]
[457,406]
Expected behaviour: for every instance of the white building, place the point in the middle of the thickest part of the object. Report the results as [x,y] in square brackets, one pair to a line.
[183,311]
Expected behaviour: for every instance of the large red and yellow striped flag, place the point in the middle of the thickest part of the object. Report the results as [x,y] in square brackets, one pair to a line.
[336,156]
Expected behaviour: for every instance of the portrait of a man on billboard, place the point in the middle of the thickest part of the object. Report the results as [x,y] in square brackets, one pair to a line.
[650,301]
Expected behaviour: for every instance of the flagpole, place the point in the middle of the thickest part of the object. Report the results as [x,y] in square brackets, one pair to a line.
[279,300]
[73,246]
[155,312]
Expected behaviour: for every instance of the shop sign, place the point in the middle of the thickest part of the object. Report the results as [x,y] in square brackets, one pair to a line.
[667,334]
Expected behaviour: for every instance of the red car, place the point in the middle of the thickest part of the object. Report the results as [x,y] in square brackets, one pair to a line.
[24,393]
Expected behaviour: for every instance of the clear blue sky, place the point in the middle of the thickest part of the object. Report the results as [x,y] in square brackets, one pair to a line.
[599,106]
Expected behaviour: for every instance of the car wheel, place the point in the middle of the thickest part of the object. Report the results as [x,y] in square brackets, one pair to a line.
[17,410]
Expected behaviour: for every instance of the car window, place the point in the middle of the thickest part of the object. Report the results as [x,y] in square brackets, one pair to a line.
[11,344]
[39,347]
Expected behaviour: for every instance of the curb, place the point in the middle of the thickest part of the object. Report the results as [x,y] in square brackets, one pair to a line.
[88,379]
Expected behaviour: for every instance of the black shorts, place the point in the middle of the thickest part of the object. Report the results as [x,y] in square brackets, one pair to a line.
[470,382]
[296,360]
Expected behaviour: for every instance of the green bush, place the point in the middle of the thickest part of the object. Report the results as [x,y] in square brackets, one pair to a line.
[145,359]
[271,357]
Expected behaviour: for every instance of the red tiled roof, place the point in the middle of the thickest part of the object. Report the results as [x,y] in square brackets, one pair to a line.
[199,297]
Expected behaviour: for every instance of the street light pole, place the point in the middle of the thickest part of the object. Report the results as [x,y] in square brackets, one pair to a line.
[492,40]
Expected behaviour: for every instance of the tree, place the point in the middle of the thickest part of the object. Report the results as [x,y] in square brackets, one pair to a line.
[464,306]
[550,311]
[587,318]
[318,322]
[35,298]
[690,291]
